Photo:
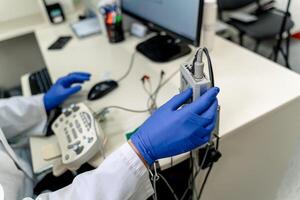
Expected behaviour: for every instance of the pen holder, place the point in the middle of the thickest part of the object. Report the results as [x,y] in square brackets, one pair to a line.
[115,32]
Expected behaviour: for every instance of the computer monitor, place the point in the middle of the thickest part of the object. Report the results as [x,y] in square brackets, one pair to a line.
[181,20]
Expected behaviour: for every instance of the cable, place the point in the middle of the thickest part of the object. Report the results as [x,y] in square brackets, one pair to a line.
[210,68]
[129,68]
[169,186]
[205,181]
[168,79]
[100,115]
[186,191]
[193,177]
[209,170]
[155,93]
[125,109]
[103,111]
[154,179]
[172,75]
[190,178]
[211,74]
[194,60]
[152,98]
[151,103]
[217,142]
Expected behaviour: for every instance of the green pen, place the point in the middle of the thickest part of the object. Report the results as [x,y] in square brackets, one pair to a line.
[118,19]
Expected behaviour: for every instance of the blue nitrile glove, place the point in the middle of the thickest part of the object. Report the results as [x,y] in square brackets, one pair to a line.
[173,130]
[62,89]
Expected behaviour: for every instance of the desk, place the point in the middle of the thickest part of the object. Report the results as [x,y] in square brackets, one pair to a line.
[260,106]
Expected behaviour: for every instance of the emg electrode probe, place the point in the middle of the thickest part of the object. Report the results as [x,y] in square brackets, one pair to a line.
[193,76]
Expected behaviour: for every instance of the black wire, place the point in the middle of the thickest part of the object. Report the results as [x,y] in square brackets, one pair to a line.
[205,181]
[209,170]
[202,164]
[210,68]
[217,142]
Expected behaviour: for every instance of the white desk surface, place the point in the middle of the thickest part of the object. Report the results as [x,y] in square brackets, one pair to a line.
[251,86]
[21,26]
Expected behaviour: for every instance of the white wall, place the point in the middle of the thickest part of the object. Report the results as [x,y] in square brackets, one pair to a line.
[11,9]
[295,7]
[67,5]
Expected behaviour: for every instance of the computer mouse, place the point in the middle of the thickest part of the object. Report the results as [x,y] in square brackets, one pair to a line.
[101,89]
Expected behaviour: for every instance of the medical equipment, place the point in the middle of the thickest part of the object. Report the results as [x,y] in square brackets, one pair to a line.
[78,139]
[79,135]
[193,76]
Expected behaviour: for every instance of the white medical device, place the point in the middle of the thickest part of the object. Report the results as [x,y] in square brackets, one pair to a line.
[192,76]
[78,134]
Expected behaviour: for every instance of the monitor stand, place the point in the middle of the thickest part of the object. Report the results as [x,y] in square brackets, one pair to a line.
[163,48]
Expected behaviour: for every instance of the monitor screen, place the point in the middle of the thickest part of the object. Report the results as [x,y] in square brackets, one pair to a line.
[180,17]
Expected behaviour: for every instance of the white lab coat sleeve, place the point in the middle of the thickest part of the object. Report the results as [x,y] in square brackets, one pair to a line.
[122,176]
[22,114]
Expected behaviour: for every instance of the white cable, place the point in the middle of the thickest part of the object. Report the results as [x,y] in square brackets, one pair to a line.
[194,176]
[154,179]
[129,68]
[169,186]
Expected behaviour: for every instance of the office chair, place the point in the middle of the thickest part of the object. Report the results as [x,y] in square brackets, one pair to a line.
[272,23]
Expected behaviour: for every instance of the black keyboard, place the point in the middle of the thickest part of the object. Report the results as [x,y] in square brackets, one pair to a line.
[40,82]
[60,43]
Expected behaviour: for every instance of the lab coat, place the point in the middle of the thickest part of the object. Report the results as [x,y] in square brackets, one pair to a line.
[121,176]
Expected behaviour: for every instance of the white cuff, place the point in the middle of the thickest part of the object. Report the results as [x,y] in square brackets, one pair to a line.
[122,175]
[136,165]
[132,159]
[38,130]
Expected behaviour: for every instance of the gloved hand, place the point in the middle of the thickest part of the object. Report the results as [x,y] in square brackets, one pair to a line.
[62,89]
[172,130]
